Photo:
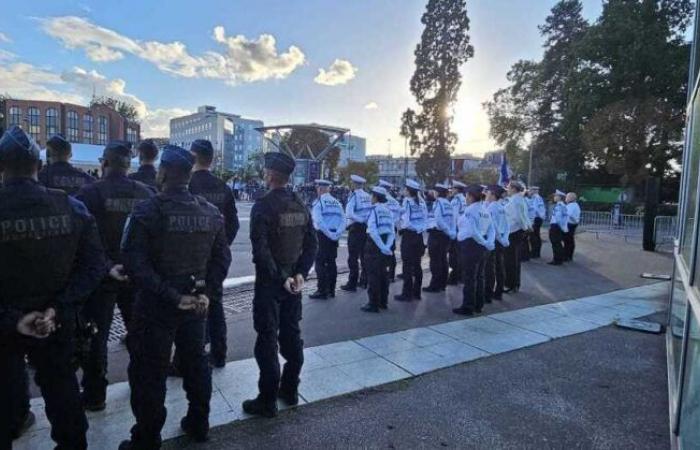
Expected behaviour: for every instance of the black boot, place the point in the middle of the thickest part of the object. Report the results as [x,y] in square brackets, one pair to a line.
[257,407]
[288,395]
[318,295]
[370,308]
[431,289]
[402,298]
[193,432]
[349,287]
[463,311]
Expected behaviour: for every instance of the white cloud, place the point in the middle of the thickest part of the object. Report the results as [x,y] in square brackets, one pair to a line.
[25,81]
[6,56]
[340,72]
[157,122]
[4,38]
[372,105]
[243,60]
[86,82]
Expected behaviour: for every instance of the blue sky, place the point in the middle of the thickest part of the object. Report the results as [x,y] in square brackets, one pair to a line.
[65,49]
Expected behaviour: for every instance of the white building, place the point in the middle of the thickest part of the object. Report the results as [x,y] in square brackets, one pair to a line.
[393,169]
[233,137]
[352,148]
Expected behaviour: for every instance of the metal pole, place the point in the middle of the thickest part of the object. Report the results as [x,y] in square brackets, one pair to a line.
[405,160]
[529,169]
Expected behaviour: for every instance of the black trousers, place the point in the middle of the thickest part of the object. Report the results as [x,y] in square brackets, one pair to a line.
[570,242]
[495,273]
[216,324]
[326,268]
[438,246]
[150,340]
[99,309]
[525,246]
[512,259]
[473,265]
[56,378]
[377,274]
[392,262]
[556,237]
[276,317]
[455,276]
[536,238]
[412,250]
[357,234]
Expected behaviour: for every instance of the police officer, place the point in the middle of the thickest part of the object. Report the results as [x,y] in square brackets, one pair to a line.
[540,215]
[146,173]
[558,228]
[380,229]
[526,251]
[495,270]
[174,246]
[574,212]
[475,236]
[50,259]
[413,224]
[215,191]
[459,205]
[59,173]
[357,212]
[110,200]
[439,239]
[395,208]
[516,213]
[329,222]
[284,248]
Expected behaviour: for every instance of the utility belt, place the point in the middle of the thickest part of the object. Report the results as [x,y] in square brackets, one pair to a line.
[358,226]
[188,285]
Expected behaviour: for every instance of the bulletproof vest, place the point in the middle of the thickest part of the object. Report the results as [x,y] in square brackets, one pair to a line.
[117,200]
[484,220]
[363,203]
[290,222]
[39,237]
[214,193]
[445,209]
[384,219]
[415,211]
[65,178]
[187,232]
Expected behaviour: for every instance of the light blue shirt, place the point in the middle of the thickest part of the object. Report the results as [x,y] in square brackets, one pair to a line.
[476,224]
[560,217]
[328,216]
[459,205]
[444,217]
[431,207]
[540,207]
[500,223]
[359,206]
[395,208]
[414,215]
[574,212]
[380,228]
[531,208]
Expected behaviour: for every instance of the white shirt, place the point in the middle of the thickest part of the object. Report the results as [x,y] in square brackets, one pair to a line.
[574,211]
[476,224]
[539,206]
[500,222]
[516,212]
[359,206]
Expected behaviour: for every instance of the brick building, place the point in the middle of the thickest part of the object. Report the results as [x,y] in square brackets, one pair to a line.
[95,125]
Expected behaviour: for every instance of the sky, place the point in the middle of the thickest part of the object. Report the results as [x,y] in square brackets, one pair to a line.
[335,62]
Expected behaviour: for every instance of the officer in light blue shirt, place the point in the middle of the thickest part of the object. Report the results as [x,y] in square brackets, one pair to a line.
[529,238]
[357,212]
[459,205]
[329,222]
[475,236]
[395,208]
[381,232]
[414,221]
[495,266]
[574,212]
[558,228]
[439,238]
[540,216]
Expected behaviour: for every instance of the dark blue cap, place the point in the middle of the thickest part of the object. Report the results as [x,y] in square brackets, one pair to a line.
[118,149]
[148,145]
[59,143]
[280,162]
[475,189]
[177,158]
[16,145]
[202,147]
[496,189]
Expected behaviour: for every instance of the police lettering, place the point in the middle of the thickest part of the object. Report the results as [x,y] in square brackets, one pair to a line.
[66,181]
[121,205]
[217,198]
[293,219]
[189,224]
[35,228]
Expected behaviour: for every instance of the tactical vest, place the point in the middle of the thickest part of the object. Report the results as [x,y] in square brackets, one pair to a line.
[39,236]
[216,195]
[289,225]
[117,202]
[65,178]
[415,211]
[384,220]
[182,247]
[363,204]
[332,211]
[445,210]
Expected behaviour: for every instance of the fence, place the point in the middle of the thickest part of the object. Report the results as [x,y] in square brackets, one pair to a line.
[628,226]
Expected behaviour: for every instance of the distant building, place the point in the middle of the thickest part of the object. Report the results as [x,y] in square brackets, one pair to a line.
[394,169]
[233,137]
[96,125]
[492,159]
[352,148]
[464,163]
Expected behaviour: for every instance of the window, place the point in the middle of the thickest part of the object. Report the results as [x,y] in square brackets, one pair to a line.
[690,197]
[690,406]
[101,130]
[51,122]
[34,129]
[131,135]
[15,116]
[72,126]
[87,128]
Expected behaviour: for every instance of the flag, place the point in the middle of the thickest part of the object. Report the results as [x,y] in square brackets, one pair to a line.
[504,173]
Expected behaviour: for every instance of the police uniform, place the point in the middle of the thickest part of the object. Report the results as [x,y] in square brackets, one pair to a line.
[50,257]
[540,215]
[284,245]
[329,222]
[459,205]
[413,225]
[395,208]
[381,236]
[495,270]
[574,214]
[475,237]
[60,174]
[357,212]
[557,229]
[174,244]
[526,251]
[519,223]
[205,184]
[439,238]
[110,200]
[146,174]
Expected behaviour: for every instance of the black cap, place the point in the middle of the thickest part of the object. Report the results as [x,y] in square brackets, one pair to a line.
[59,143]
[475,189]
[203,148]
[117,150]
[177,158]
[148,145]
[16,145]
[279,162]
[496,189]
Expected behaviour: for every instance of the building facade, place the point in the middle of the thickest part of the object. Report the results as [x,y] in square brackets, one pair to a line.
[352,148]
[394,170]
[96,125]
[233,137]
[683,327]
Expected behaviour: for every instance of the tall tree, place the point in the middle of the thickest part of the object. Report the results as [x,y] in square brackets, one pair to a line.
[443,49]
[127,110]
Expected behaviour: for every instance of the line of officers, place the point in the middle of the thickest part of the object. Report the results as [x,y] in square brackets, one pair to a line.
[476,235]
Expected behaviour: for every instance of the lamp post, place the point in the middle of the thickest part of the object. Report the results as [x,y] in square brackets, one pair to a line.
[529,169]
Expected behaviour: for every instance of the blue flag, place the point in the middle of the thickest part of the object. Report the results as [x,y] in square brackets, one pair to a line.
[504,173]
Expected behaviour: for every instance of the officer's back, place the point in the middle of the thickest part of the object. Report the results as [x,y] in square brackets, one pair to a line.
[59,173]
[146,173]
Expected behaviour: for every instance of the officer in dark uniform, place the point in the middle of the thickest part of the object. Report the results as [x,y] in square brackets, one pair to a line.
[59,173]
[111,200]
[146,173]
[284,247]
[174,245]
[50,259]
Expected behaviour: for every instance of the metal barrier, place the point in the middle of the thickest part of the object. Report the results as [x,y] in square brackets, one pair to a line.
[629,226]
[665,229]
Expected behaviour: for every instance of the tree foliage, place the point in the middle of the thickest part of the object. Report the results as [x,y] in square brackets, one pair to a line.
[368,170]
[127,110]
[443,49]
